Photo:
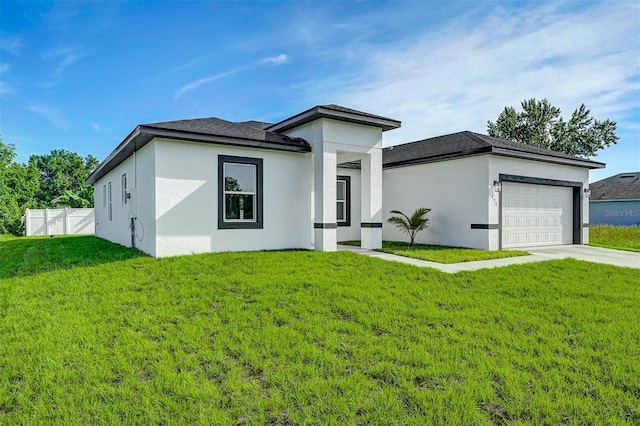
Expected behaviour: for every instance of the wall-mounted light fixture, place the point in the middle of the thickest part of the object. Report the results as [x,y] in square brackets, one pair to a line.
[587,192]
[497,186]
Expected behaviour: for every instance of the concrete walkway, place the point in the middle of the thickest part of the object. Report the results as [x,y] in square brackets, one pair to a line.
[537,254]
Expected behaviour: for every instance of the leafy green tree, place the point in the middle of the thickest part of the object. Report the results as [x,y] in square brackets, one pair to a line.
[62,171]
[22,181]
[541,124]
[76,200]
[9,208]
[7,153]
[411,225]
[35,184]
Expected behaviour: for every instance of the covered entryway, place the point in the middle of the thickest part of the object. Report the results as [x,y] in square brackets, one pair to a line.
[536,215]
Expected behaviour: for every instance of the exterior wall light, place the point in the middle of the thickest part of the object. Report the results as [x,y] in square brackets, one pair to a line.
[497,186]
[587,192]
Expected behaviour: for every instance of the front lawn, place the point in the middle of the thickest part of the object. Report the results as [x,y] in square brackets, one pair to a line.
[615,237]
[102,335]
[441,254]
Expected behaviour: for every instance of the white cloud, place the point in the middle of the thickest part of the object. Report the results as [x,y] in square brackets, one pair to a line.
[50,113]
[274,60]
[190,64]
[64,57]
[5,89]
[451,80]
[11,44]
[197,83]
[96,127]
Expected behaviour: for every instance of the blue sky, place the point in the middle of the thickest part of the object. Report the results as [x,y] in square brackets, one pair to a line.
[82,75]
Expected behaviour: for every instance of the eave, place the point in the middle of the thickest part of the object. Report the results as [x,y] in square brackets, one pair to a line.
[142,135]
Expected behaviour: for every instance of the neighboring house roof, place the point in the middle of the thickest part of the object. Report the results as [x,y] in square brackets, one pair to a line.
[623,186]
[208,130]
[467,143]
[339,113]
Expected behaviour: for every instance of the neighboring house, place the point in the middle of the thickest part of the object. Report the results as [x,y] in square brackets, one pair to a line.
[322,176]
[616,200]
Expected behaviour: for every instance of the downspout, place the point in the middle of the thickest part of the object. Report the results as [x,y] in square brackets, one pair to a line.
[133,232]
[134,208]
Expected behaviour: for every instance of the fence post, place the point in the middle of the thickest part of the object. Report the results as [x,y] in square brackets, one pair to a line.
[27,231]
[66,221]
[46,221]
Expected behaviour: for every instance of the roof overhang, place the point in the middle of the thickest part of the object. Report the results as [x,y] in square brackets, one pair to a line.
[436,158]
[142,135]
[576,162]
[318,112]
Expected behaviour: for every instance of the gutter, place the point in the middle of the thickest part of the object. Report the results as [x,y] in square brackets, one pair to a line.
[142,135]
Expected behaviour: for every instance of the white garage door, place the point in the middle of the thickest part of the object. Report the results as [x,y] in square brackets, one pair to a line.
[536,215]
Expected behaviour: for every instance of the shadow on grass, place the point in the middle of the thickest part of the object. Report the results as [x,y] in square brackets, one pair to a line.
[22,256]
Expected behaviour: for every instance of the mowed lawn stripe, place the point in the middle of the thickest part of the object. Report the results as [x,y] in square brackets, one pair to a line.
[297,337]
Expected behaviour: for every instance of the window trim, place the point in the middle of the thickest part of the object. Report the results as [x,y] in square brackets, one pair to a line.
[110,202]
[258,203]
[123,181]
[347,201]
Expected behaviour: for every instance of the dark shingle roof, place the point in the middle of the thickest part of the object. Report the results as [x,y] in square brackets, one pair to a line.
[467,143]
[206,130]
[216,127]
[257,124]
[338,108]
[339,113]
[623,186]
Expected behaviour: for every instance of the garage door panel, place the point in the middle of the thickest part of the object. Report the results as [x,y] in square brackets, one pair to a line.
[536,215]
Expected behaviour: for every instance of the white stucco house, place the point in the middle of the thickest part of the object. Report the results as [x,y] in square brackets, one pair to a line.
[323,176]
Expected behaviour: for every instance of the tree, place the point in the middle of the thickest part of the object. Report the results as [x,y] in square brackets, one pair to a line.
[62,171]
[411,225]
[84,199]
[10,212]
[540,124]
[35,184]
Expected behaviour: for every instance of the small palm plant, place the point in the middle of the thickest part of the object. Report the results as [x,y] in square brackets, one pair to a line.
[411,225]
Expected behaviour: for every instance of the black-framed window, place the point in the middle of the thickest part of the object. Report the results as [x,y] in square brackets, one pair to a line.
[123,181]
[343,201]
[110,202]
[239,192]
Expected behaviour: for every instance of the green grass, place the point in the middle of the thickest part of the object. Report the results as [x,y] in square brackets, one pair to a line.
[100,335]
[441,254]
[615,237]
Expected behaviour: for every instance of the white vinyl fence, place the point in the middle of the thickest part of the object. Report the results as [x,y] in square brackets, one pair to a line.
[59,222]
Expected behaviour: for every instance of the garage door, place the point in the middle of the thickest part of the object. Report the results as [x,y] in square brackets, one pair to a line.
[536,215]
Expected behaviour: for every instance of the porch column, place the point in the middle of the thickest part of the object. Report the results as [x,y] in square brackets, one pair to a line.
[371,203]
[325,222]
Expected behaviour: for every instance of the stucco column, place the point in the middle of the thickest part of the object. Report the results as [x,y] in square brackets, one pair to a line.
[325,222]
[371,203]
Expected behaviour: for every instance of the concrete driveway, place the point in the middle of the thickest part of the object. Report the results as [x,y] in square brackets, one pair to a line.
[591,254]
[537,254]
